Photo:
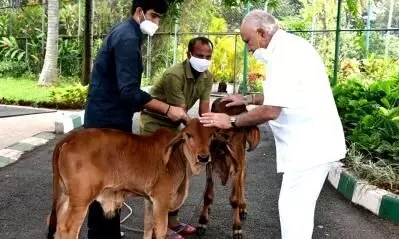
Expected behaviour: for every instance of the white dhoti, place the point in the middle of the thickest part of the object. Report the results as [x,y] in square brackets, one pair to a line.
[299,193]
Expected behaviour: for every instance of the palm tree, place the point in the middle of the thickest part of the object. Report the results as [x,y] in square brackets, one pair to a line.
[49,70]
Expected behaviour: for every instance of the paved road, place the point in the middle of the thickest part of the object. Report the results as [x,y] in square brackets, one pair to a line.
[17,128]
[25,200]
[10,111]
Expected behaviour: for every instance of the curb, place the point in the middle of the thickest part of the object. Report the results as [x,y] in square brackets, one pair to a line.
[380,202]
[13,153]
[69,122]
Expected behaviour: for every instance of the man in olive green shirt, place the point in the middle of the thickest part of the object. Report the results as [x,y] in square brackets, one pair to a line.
[182,85]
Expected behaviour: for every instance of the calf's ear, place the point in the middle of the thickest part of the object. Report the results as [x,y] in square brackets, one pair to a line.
[253,137]
[172,145]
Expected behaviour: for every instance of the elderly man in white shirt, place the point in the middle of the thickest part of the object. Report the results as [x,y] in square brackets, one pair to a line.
[298,104]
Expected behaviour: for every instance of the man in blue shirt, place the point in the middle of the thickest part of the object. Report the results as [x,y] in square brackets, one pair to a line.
[115,94]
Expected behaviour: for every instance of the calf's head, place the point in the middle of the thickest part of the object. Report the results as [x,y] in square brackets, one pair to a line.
[228,141]
[195,140]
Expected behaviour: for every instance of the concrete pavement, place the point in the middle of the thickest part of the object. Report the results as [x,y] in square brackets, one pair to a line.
[17,128]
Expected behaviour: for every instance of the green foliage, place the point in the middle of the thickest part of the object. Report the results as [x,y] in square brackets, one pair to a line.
[255,82]
[354,9]
[69,14]
[378,68]
[4,23]
[379,173]
[10,49]
[296,23]
[12,68]
[22,90]
[369,70]
[71,96]
[23,19]
[370,116]
[223,67]
[70,57]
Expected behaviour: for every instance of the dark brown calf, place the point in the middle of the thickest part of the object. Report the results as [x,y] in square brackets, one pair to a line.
[228,161]
[109,166]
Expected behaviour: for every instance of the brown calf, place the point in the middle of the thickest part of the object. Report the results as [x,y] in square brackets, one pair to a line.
[228,160]
[109,165]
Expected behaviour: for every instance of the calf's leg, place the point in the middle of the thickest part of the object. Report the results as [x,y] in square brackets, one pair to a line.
[241,200]
[160,214]
[148,219]
[209,194]
[70,225]
[234,202]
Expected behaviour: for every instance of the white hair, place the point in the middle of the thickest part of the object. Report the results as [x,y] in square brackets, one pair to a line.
[261,19]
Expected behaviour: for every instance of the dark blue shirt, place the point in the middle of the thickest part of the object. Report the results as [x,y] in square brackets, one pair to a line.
[114,91]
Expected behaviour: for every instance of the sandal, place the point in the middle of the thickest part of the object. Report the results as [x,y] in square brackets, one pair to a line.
[183,228]
[173,235]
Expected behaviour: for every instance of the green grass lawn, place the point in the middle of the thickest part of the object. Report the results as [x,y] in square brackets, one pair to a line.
[23,89]
[68,93]
[26,88]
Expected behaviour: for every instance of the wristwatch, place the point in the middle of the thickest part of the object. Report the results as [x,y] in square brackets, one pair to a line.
[233,120]
[246,101]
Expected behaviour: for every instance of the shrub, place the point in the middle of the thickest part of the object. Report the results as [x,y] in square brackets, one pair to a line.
[70,57]
[370,116]
[73,96]
[379,173]
[255,82]
[12,68]
[378,69]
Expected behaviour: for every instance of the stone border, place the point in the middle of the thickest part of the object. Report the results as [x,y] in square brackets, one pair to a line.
[13,153]
[68,122]
[380,202]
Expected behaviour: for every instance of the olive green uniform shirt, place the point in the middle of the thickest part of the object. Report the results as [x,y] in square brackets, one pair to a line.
[176,87]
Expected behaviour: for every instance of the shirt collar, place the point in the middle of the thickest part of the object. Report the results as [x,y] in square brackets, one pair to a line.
[278,35]
[136,27]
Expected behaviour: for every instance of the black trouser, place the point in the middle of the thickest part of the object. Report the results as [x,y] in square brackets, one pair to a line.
[174,213]
[101,227]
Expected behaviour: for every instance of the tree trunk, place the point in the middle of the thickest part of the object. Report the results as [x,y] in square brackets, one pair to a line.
[49,72]
[88,43]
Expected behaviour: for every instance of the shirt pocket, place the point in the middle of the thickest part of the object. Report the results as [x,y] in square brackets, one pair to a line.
[198,89]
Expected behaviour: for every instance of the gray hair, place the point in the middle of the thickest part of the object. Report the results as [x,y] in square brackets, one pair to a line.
[261,19]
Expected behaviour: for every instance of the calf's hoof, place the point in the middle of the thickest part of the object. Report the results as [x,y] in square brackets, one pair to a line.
[238,236]
[201,230]
[243,215]
[237,232]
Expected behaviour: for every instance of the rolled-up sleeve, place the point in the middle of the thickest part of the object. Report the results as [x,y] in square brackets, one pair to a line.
[126,54]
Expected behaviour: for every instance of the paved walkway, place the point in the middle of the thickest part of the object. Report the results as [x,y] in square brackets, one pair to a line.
[17,128]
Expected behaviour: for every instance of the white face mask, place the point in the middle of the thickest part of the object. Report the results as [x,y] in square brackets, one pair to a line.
[199,64]
[148,27]
[260,54]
